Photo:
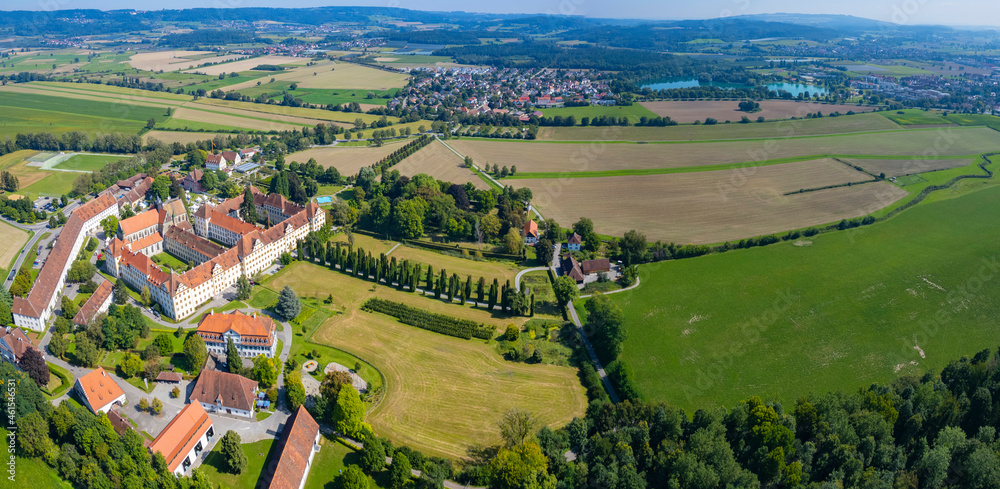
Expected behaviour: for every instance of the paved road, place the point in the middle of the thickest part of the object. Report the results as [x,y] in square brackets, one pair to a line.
[630,287]
[517,278]
[39,230]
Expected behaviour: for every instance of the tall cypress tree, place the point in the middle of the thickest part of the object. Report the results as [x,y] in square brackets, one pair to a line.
[481,290]
[467,292]
[430,279]
[441,284]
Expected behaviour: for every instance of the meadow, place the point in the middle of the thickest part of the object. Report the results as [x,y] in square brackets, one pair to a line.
[532,157]
[251,120]
[347,160]
[117,110]
[438,161]
[889,303]
[713,206]
[689,132]
[88,162]
[631,112]
[442,394]
[728,110]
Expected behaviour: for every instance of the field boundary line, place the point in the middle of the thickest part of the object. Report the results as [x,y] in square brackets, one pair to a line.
[490,180]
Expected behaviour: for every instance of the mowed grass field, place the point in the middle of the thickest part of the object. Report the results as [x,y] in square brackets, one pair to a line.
[88,162]
[443,394]
[728,110]
[347,160]
[462,266]
[687,132]
[714,206]
[835,312]
[16,163]
[438,161]
[532,157]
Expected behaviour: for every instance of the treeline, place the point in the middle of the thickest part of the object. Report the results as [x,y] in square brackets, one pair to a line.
[97,181]
[401,153]
[437,36]
[25,77]
[21,210]
[76,141]
[438,323]
[268,68]
[212,37]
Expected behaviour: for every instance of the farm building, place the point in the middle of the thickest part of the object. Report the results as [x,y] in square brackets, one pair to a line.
[594,266]
[184,438]
[297,445]
[223,392]
[99,391]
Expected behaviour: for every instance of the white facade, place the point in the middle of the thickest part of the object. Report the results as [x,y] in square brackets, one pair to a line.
[249,350]
[219,408]
[196,451]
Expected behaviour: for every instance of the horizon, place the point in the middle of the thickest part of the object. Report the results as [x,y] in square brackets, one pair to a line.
[900,12]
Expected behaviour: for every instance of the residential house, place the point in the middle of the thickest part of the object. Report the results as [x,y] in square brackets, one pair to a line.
[185,438]
[575,242]
[13,344]
[571,268]
[595,266]
[215,163]
[223,392]
[530,232]
[192,181]
[99,391]
[297,446]
[97,303]
[252,334]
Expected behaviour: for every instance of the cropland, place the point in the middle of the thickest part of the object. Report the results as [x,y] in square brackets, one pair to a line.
[438,161]
[442,394]
[782,321]
[728,110]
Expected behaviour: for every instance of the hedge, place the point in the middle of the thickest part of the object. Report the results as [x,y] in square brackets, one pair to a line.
[438,323]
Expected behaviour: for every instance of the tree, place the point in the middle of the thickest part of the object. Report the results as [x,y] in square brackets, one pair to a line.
[608,326]
[265,370]
[248,210]
[161,187]
[86,352]
[409,219]
[229,189]
[233,361]
[490,225]
[400,471]
[68,308]
[295,392]
[232,452]
[565,289]
[352,478]
[120,294]
[22,283]
[544,250]
[330,387]
[33,436]
[57,346]
[81,271]
[34,365]
[156,407]
[110,226]
[633,247]
[288,305]
[513,242]
[195,351]
[144,404]
[243,288]
[164,343]
[349,412]
[209,180]
[373,455]
[175,392]
[131,365]
[516,427]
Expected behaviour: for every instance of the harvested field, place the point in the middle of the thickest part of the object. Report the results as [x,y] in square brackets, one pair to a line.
[347,160]
[348,75]
[255,115]
[180,137]
[897,167]
[441,163]
[243,64]
[774,129]
[199,116]
[111,90]
[324,115]
[715,206]
[566,157]
[173,60]
[17,164]
[12,240]
[723,110]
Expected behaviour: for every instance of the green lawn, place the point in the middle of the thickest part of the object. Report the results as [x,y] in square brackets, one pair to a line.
[33,472]
[257,454]
[26,120]
[170,261]
[57,183]
[332,458]
[59,382]
[911,117]
[837,311]
[86,162]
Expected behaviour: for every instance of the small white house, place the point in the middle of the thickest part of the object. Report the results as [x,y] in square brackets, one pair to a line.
[99,392]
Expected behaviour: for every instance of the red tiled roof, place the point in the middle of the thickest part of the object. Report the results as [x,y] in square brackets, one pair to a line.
[233,224]
[17,341]
[169,377]
[234,391]
[120,424]
[575,239]
[139,222]
[247,326]
[229,155]
[213,159]
[594,266]
[531,229]
[86,313]
[571,268]
[99,388]
[295,445]
[144,242]
[183,236]
[182,434]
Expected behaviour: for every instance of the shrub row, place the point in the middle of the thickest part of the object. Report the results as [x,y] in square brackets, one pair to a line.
[401,153]
[438,323]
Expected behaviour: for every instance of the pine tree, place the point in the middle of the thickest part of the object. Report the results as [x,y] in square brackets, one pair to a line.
[233,360]
[248,210]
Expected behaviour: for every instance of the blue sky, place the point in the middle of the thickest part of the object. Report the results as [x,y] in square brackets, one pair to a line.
[952,12]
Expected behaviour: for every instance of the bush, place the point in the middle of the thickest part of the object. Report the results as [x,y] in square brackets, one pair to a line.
[439,323]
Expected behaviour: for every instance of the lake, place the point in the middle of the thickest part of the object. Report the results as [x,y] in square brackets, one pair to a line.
[793,88]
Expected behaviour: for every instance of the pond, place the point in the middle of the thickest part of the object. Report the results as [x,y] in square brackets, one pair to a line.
[793,88]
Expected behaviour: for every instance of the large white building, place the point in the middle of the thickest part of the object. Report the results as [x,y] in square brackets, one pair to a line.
[185,438]
[34,311]
[251,249]
[251,334]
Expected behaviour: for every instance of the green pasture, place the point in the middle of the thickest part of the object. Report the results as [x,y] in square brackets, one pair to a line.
[88,162]
[632,112]
[837,311]
[122,110]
